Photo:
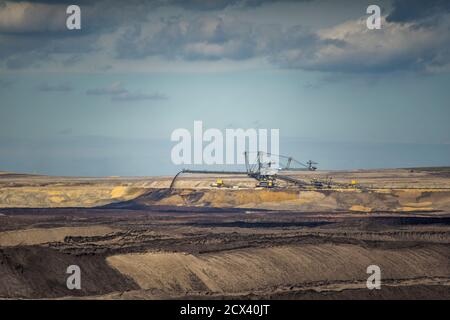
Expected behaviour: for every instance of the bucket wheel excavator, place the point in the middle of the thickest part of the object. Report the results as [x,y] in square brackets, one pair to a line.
[263,170]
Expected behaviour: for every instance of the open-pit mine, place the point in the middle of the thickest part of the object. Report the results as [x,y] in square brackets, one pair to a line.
[213,236]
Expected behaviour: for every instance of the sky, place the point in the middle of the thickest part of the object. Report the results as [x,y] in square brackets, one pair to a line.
[104,100]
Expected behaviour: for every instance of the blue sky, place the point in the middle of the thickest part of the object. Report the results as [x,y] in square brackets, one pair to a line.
[104,100]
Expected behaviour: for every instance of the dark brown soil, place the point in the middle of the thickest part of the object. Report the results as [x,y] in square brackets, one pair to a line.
[38,271]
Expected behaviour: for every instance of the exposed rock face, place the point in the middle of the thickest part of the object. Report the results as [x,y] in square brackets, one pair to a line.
[389,190]
[406,200]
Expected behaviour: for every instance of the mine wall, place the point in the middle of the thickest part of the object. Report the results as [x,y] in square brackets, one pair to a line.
[395,200]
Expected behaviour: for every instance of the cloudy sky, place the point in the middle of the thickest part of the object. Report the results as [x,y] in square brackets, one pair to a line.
[104,100]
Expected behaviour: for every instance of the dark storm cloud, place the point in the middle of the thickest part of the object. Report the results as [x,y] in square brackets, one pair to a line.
[201,38]
[413,10]
[31,33]
[51,1]
[216,35]
[349,48]
[199,5]
[31,50]
[49,17]
[203,5]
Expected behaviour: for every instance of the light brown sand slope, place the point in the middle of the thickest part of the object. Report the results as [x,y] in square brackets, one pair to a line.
[403,200]
[256,269]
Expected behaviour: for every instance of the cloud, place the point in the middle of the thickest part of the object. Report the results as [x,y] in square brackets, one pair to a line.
[193,5]
[351,47]
[50,16]
[202,5]
[199,38]
[28,17]
[117,92]
[128,96]
[413,10]
[205,5]
[34,33]
[105,67]
[60,87]
[114,89]
[73,59]
[30,50]
[20,54]
[414,37]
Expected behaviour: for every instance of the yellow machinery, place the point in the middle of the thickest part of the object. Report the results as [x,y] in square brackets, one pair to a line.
[218,184]
[266,183]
